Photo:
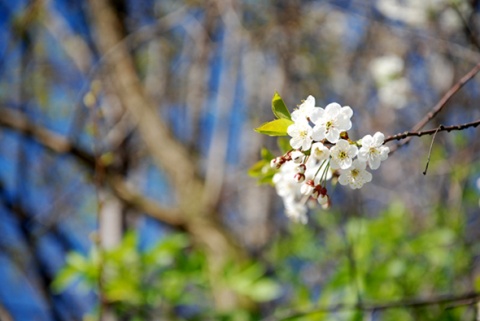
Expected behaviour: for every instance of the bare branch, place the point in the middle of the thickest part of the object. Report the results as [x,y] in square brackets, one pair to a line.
[440,128]
[60,145]
[4,314]
[168,153]
[471,297]
[436,109]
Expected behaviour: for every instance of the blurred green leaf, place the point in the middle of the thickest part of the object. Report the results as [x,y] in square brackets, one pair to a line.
[264,290]
[284,144]
[266,154]
[64,278]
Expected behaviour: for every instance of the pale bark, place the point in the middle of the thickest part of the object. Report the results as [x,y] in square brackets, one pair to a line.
[169,154]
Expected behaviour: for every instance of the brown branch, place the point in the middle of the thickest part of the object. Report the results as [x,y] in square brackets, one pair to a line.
[437,108]
[20,123]
[440,128]
[168,153]
[4,314]
[371,307]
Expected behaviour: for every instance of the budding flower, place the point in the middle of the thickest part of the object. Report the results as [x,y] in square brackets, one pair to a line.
[319,191]
[299,177]
[297,156]
[307,188]
[277,162]
[301,168]
[324,200]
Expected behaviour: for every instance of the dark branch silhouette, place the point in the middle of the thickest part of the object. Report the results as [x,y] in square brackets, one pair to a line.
[54,142]
[440,128]
[434,111]
[470,297]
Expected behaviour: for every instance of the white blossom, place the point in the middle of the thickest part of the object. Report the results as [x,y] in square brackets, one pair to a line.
[355,176]
[297,156]
[296,211]
[289,190]
[372,151]
[323,200]
[301,133]
[342,155]
[315,169]
[319,151]
[330,122]
[284,181]
[304,110]
[307,188]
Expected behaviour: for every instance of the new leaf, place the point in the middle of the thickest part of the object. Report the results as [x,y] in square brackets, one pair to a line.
[279,108]
[277,127]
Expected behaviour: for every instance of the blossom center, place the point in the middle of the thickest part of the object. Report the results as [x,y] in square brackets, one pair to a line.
[354,173]
[328,125]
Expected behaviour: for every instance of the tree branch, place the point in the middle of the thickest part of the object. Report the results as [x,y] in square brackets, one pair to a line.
[168,153]
[440,128]
[20,123]
[436,109]
[407,304]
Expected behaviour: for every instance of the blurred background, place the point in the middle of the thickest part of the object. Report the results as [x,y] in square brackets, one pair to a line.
[126,136]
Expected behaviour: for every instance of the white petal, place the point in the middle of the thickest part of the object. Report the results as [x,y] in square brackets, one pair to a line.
[343,179]
[310,101]
[317,114]
[345,163]
[378,138]
[347,111]
[367,141]
[296,142]
[333,109]
[318,132]
[333,135]
[374,162]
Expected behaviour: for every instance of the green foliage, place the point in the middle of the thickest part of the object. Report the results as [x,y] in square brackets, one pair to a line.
[251,282]
[262,169]
[277,127]
[386,259]
[170,275]
[279,108]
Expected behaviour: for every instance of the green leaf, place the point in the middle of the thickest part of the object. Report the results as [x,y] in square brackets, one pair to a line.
[64,278]
[264,289]
[284,144]
[279,108]
[267,155]
[277,127]
[257,169]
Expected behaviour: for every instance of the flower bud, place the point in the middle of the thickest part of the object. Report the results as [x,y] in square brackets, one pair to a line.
[297,156]
[288,156]
[323,200]
[319,191]
[307,188]
[301,168]
[299,177]
[277,162]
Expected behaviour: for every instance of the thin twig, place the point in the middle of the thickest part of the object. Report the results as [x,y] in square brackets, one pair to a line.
[430,149]
[405,135]
[436,109]
[406,304]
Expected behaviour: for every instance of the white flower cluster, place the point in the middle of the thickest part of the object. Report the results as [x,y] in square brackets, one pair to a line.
[321,147]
